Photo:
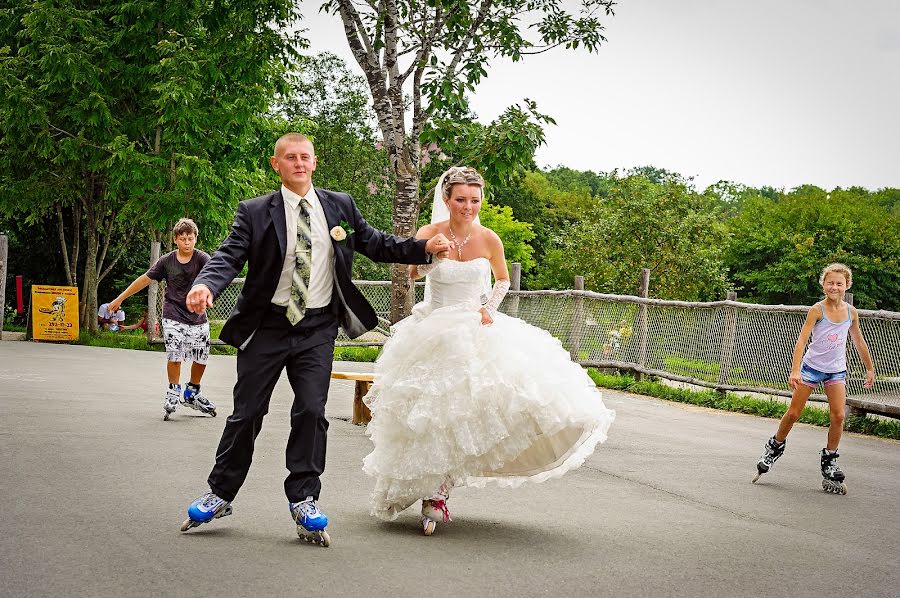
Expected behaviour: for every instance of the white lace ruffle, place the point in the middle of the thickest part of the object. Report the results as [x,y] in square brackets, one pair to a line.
[470,405]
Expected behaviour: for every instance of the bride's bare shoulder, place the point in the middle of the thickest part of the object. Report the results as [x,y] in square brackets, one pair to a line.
[429,230]
[490,237]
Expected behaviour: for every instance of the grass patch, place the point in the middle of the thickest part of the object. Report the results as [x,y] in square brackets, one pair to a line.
[117,340]
[137,340]
[742,404]
[368,354]
[222,350]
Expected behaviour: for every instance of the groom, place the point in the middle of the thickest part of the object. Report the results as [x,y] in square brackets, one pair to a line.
[298,243]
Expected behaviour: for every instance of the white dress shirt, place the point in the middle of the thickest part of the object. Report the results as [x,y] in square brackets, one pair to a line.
[321,276]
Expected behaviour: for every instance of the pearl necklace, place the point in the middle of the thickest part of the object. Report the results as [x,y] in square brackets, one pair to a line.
[459,246]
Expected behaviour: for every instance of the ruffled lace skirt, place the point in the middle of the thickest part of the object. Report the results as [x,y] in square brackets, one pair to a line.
[463,404]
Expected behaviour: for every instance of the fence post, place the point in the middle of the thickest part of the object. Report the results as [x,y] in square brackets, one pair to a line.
[727,341]
[515,284]
[642,320]
[577,328]
[4,251]
[848,297]
[152,314]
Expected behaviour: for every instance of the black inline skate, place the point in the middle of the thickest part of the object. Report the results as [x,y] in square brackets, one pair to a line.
[773,452]
[832,476]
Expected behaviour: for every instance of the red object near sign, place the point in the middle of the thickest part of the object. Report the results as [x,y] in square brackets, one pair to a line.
[20,308]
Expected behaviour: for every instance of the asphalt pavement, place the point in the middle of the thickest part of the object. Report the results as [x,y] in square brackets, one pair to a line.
[94,486]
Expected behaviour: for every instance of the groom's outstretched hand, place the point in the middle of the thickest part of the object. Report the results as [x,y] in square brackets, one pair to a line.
[199,298]
[439,246]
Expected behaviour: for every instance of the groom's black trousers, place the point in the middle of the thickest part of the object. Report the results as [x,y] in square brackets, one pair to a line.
[306,352]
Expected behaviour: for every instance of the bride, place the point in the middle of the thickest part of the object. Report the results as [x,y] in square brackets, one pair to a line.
[465,395]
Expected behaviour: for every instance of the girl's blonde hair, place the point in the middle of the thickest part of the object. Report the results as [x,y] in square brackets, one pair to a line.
[461,175]
[840,269]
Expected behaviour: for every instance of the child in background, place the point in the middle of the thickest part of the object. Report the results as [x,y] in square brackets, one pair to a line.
[186,333]
[823,362]
[110,319]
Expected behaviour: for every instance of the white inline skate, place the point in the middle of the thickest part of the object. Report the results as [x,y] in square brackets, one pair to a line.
[173,397]
[434,510]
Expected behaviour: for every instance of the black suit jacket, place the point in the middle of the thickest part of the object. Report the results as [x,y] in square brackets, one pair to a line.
[259,237]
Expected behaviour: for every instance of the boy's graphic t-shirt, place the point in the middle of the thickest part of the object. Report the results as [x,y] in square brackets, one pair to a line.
[179,280]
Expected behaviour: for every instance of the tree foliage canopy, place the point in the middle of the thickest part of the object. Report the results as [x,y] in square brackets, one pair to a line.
[779,246]
[666,227]
[128,115]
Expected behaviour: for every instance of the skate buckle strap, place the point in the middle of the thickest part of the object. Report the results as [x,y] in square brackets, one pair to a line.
[210,500]
[441,505]
[309,508]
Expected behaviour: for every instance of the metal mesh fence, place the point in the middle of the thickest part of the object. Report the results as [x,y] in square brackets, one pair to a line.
[725,345]
[377,293]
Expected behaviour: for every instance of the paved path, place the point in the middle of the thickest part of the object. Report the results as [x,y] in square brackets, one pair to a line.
[93,487]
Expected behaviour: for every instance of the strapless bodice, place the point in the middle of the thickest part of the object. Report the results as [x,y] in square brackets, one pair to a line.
[454,282]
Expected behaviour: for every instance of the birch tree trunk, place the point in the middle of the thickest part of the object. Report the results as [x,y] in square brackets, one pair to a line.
[406,200]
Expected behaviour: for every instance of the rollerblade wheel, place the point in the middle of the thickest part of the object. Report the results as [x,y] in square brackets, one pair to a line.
[835,487]
[756,477]
[213,413]
[166,416]
[188,524]
[321,537]
[428,526]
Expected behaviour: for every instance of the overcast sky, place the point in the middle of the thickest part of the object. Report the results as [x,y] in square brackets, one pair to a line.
[761,92]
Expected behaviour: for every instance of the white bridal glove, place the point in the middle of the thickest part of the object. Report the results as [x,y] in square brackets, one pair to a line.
[497,295]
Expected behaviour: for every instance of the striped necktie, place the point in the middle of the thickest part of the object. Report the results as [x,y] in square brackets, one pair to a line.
[303,253]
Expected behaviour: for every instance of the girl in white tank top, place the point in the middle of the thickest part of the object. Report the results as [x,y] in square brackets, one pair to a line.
[829,322]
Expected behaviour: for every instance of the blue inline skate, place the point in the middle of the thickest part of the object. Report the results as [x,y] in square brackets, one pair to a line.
[205,509]
[311,522]
[194,399]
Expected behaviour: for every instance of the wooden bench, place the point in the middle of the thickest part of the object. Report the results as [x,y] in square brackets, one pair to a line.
[882,405]
[361,413]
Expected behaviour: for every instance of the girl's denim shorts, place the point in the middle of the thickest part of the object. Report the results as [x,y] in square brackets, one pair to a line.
[813,377]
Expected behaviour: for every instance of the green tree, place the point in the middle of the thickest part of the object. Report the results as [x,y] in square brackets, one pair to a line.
[332,103]
[578,181]
[124,116]
[656,175]
[421,58]
[779,247]
[666,227]
[514,234]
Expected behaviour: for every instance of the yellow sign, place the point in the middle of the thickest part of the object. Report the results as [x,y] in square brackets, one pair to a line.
[54,313]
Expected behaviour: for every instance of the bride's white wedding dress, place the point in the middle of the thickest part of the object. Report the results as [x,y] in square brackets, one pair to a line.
[462,404]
